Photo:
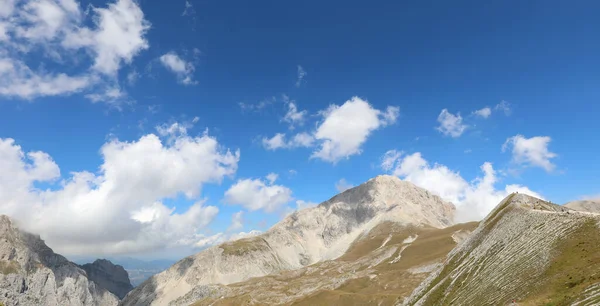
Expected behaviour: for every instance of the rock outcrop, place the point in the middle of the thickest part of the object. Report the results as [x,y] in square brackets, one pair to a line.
[527,250]
[303,238]
[32,274]
[111,277]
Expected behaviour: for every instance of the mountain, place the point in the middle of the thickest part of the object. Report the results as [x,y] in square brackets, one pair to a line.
[32,274]
[315,235]
[109,276]
[527,250]
[138,270]
[585,205]
[380,268]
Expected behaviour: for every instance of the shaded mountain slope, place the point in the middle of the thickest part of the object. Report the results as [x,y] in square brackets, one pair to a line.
[32,274]
[526,249]
[303,238]
[109,276]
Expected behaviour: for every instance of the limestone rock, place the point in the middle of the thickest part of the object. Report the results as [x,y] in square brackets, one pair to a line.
[32,274]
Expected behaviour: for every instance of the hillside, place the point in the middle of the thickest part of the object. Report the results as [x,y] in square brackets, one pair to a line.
[304,238]
[526,250]
[585,205]
[381,268]
[32,274]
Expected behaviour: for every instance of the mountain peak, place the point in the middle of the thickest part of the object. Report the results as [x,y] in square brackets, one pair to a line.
[305,237]
[33,272]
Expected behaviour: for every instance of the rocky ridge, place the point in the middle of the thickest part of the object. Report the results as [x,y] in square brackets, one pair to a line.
[527,250]
[306,237]
[109,276]
[32,274]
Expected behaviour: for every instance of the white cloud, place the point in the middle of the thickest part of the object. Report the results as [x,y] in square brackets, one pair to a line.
[119,209]
[132,77]
[338,139]
[301,74]
[293,116]
[451,125]
[189,9]
[278,141]
[184,70]
[18,80]
[59,31]
[474,199]
[391,115]
[275,142]
[257,106]
[272,177]
[221,237]
[237,221]
[112,95]
[531,151]
[483,113]
[342,185]
[503,106]
[302,140]
[256,194]
[300,204]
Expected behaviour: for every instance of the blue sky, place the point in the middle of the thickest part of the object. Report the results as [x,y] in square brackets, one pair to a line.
[364,84]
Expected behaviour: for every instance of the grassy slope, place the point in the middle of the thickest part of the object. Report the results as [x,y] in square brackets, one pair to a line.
[573,267]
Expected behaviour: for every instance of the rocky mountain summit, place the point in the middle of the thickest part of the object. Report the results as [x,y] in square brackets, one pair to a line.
[304,238]
[32,274]
[111,277]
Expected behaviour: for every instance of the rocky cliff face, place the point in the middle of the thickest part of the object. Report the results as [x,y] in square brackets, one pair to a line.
[303,238]
[32,274]
[109,276]
[527,250]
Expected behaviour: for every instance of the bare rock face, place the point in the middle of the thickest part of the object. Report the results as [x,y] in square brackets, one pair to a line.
[109,276]
[303,238]
[32,274]
[592,206]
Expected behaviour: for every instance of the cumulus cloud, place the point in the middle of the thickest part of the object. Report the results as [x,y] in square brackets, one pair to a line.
[450,124]
[58,35]
[301,74]
[474,200]
[483,113]
[531,151]
[338,139]
[257,194]
[182,69]
[120,208]
[342,185]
